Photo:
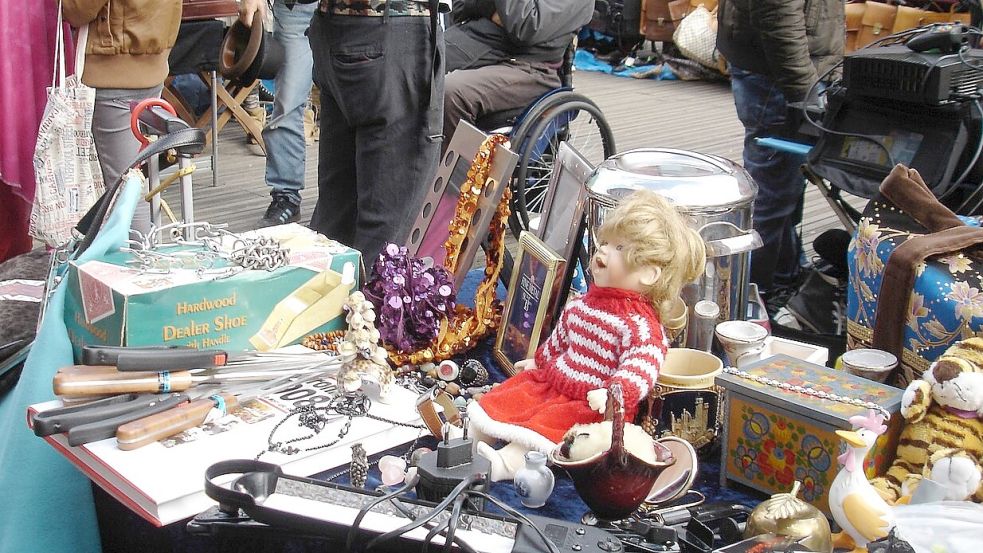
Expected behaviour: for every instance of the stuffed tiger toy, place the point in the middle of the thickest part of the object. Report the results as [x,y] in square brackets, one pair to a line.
[943,434]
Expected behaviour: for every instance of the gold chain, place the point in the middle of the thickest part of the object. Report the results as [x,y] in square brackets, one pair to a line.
[463,328]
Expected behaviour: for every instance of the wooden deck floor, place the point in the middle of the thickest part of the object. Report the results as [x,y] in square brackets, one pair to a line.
[696,116]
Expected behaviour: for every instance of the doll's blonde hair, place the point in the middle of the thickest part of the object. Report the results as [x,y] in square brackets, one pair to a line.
[655,233]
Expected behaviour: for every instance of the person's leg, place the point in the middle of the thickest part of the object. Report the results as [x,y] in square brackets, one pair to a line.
[335,212]
[471,93]
[778,206]
[115,143]
[286,146]
[396,159]
[382,92]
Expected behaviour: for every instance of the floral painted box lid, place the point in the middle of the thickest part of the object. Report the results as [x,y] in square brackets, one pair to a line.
[796,372]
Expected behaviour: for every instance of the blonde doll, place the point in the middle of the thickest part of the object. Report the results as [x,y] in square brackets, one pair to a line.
[646,253]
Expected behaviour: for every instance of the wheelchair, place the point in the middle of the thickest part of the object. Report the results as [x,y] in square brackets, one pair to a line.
[536,131]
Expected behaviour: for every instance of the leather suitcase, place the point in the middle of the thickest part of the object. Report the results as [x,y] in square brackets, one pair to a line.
[877,22]
[657,20]
[854,20]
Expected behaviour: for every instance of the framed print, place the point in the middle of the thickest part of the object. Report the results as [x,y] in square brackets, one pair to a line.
[565,202]
[536,278]
[562,226]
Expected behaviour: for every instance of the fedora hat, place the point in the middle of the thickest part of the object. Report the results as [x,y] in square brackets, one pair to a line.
[249,53]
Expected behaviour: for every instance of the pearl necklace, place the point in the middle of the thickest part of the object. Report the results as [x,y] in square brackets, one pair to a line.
[809,391]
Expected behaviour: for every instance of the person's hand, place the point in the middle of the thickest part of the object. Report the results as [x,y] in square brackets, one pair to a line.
[248,8]
[525,365]
[598,400]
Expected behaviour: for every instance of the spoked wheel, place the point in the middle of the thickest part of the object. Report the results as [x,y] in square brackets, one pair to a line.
[568,117]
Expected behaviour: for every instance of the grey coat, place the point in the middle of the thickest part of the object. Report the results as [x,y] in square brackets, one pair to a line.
[531,30]
[791,41]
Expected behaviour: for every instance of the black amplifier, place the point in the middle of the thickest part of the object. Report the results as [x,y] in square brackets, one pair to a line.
[900,73]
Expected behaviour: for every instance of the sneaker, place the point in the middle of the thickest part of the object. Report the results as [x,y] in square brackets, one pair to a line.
[820,304]
[282,210]
[777,297]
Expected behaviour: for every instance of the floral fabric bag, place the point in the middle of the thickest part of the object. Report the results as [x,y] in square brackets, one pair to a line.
[916,275]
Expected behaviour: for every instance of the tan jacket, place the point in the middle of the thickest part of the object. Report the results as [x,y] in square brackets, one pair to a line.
[129,40]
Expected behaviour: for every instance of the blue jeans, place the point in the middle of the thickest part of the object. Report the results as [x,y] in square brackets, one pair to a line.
[286,148]
[781,187]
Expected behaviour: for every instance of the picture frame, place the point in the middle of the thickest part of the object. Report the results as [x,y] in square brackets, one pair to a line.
[526,316]
[563,224]
[565,202]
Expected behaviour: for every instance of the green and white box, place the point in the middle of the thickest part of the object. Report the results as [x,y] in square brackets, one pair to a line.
[114,302]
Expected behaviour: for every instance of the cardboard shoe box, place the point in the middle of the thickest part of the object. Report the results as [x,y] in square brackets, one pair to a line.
[114,302]
[773,436]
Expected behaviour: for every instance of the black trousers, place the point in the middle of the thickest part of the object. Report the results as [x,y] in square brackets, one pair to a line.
[377,155]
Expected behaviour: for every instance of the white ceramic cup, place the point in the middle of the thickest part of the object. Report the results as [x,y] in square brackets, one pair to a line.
[873,364]
[743,341]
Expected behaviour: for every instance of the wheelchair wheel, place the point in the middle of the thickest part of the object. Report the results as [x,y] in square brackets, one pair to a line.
[566,116]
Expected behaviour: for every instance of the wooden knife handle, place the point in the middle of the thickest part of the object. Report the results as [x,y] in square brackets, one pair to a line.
[147,430]
[71,383]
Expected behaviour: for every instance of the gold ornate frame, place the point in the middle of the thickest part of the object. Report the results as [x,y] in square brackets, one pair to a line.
[536,278]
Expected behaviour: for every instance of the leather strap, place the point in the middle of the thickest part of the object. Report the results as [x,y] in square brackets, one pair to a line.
[426,406]
[907,191]
[187,141]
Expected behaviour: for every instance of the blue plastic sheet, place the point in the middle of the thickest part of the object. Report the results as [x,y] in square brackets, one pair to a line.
[585,61]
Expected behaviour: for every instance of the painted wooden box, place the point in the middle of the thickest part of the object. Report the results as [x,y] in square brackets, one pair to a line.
[772,436]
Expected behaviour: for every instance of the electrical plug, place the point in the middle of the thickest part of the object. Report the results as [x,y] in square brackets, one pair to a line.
[440,471]
[454,452]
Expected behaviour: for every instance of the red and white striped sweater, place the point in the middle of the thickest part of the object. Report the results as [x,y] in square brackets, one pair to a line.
[608,335]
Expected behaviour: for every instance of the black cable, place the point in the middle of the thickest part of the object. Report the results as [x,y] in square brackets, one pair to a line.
[444,528]
[438,529]
[805,114]
[409,514]
[979,147]
[353,531]
[519,516]
[465,484]
[454,521]
[962,58]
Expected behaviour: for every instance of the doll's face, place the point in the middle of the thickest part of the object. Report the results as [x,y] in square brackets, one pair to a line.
[610,268]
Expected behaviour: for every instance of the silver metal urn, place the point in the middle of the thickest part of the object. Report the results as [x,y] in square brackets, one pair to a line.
[716,195]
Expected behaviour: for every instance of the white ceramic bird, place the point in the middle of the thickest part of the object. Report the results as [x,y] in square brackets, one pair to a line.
[855,505]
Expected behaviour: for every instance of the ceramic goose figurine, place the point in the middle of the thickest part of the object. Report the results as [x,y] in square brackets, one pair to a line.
[855,505]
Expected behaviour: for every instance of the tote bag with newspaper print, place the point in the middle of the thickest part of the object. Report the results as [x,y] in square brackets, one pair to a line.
[66,167]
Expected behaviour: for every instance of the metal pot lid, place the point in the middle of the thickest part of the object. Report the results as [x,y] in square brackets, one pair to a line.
[691,180]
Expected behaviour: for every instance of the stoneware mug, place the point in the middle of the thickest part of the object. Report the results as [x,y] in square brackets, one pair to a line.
[743,341]
[873,364]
